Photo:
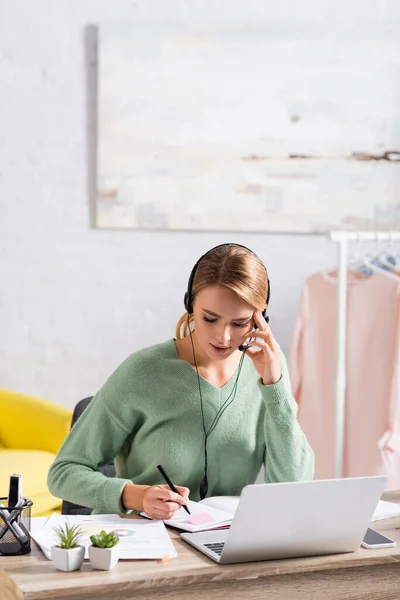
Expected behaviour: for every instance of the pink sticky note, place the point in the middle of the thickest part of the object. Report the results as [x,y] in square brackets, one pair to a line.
[200,519]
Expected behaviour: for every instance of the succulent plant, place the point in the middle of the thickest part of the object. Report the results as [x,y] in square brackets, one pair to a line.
[68,537]
[104,539]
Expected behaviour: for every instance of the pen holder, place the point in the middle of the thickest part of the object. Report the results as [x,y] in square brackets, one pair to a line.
[15,524]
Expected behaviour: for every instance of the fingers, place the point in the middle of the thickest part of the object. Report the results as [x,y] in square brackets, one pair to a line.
[165,511]
[260,321]
[162,510]
[167,495]
[262,345]
[263,333]
[259,338]
[183,491]
[160,502]
[160,514]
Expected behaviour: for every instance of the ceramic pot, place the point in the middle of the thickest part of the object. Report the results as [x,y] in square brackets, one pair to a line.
[104,559]
[67,560]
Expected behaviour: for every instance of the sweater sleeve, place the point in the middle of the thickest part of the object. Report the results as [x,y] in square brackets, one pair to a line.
[296,351]
[93,441]
[389,442]
[288,456]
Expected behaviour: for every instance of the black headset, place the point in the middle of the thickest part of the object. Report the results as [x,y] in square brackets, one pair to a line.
[188,301]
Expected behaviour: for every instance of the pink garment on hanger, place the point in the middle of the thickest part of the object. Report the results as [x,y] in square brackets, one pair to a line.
[372,408]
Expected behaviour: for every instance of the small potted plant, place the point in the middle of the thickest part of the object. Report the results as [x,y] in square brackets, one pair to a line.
[68,554]
[104,551]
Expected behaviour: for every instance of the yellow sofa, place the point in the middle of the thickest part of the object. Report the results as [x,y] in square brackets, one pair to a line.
[31,433]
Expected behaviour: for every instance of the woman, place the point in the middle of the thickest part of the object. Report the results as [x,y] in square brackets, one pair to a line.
[212,406]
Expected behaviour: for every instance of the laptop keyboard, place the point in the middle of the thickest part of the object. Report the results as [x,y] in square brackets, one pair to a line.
[217,547]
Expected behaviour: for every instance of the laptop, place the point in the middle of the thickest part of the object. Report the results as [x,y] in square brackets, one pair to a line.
[294,519]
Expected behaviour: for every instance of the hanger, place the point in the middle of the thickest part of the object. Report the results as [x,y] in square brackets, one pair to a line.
[386,259]
[360,264]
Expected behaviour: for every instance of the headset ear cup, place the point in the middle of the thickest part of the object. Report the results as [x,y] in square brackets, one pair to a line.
[264,314]
[186,302]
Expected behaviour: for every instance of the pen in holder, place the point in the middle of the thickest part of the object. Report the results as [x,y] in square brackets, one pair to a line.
[15,524]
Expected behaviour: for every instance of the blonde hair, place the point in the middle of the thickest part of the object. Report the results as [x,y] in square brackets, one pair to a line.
[235,268]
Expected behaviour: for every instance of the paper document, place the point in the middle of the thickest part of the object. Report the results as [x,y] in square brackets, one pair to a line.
[137,538]
[37,523]
[385,510]
[202,517]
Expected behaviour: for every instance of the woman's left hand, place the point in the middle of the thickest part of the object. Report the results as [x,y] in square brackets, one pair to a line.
[266,359]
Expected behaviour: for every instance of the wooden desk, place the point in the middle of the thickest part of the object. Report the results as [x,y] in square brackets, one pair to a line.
[365,574]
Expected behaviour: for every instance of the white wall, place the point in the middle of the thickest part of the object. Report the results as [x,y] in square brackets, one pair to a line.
[75,301]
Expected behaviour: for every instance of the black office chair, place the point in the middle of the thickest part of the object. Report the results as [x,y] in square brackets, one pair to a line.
[69,508]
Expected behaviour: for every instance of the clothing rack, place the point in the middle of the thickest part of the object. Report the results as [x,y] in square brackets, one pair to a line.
[343,238]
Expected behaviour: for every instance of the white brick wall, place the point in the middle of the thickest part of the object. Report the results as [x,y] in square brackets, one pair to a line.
[75,301]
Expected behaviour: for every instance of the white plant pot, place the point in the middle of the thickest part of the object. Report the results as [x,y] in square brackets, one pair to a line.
[104,559]
[67,560]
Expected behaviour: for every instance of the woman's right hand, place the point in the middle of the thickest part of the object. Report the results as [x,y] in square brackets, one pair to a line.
[159,502]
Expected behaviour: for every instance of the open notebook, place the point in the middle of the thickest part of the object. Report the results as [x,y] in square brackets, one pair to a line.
[204,515]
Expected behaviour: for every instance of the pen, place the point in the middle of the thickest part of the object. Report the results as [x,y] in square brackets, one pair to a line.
[25,502]
[19,534]
[171,485]
[15,489]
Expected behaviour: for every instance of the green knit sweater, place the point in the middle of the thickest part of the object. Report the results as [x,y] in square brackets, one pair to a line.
[148,412]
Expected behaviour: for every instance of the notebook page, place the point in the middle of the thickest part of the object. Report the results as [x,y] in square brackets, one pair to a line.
[225,503]
[385,510]
[201,518]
